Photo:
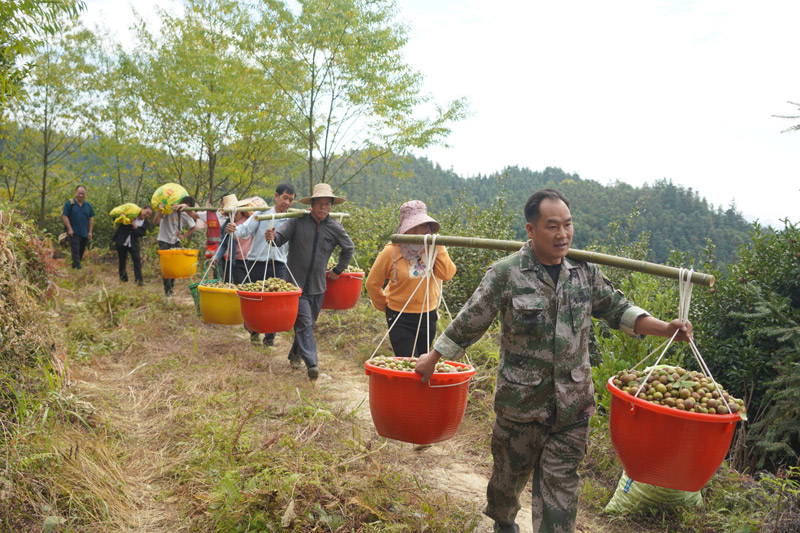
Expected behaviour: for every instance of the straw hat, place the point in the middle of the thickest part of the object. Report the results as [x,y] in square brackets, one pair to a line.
[229,201]
[323,190]
[413,214]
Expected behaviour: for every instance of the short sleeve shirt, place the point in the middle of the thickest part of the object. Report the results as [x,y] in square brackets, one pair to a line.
[79,216]
[168,228]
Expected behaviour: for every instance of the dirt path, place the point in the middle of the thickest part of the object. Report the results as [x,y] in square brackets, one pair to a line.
[142,393]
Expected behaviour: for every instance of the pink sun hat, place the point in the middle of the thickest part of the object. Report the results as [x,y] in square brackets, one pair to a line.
[413,214]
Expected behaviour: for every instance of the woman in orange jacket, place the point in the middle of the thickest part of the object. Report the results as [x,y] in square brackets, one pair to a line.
[409,299]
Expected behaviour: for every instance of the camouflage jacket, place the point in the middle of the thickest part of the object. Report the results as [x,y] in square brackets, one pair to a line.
[544,374]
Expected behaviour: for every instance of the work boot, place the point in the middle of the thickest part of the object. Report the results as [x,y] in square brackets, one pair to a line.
[313,372]
[506,528]
[295,362]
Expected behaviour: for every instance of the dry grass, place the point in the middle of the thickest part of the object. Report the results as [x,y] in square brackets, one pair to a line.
[186,426]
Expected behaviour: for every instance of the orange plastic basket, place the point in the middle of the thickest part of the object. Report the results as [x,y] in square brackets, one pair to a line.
[178,264]
[343,292]
[269,312]
[666,447]
[403,408]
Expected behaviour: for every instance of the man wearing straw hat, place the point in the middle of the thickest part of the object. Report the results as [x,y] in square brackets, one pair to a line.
[544,394]
[264,261]
[312,239]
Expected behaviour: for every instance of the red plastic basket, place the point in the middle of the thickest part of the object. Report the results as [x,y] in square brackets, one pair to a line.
[343,292]
[403,408]
[269,312]
[666,447]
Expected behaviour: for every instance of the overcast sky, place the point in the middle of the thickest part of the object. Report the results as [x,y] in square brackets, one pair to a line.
[626,90]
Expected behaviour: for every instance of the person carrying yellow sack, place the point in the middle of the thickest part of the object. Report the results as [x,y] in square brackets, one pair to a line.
[167,197]
[125,214]
[126,239]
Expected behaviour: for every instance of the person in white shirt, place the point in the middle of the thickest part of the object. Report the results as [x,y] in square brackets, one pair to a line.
[264,261]
[170,231]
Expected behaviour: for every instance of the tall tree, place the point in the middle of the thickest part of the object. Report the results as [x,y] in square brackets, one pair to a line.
[52,117]
[24,25]
[350,97]
[117,128]
[203,102]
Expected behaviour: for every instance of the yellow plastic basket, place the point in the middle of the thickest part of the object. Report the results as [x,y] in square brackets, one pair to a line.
[177,264]
[220,306]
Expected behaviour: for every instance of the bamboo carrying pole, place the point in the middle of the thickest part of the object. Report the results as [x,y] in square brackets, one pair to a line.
[235,209]
[297,214]
[580,255]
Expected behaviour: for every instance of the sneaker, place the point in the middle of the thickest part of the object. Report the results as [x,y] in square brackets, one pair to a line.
[269,341]
[295,362]
[124,280]
[254,338]
[140,283]
[313,372]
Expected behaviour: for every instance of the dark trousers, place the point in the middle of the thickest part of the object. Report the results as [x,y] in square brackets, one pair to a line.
[304,345]
[169,284]
[406,342]
[274,269]
[224,271]
[122,253]
[77,246]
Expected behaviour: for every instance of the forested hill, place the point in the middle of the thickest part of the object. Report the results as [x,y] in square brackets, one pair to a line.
[677,218]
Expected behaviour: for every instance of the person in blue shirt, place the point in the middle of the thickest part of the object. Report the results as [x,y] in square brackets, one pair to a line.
[78,219]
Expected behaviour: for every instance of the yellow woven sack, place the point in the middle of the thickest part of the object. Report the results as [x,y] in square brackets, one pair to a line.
[167,196]
[125,213]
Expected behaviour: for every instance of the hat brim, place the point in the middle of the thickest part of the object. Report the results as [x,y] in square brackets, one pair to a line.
[419,221]
[336,199]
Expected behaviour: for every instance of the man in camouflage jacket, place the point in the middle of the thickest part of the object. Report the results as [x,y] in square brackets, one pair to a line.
[544,395]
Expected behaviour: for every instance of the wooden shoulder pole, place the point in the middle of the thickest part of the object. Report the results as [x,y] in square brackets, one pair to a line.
[581,255]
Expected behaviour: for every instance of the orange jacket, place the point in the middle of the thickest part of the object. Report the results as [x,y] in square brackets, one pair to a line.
[401,286]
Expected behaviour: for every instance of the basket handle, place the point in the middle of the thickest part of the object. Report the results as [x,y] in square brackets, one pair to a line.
[259,299]
[450,385]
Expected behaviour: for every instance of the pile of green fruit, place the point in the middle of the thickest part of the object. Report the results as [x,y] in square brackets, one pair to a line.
[680,389]
[218,284]
[408,364]
[350,268]
[270,285]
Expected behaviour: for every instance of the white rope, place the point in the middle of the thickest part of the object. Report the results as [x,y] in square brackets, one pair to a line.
[684,302]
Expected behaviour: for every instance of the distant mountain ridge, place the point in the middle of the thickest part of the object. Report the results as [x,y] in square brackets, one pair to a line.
[677,218]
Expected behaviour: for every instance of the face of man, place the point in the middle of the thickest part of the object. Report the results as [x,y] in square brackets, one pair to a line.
[80,195]
[320,208]
[552,232]
[283,202]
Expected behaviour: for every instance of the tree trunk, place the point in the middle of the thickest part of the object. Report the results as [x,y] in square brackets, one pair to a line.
[45,162]
[212,165]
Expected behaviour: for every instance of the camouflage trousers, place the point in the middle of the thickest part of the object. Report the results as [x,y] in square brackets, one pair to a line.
[553,456]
